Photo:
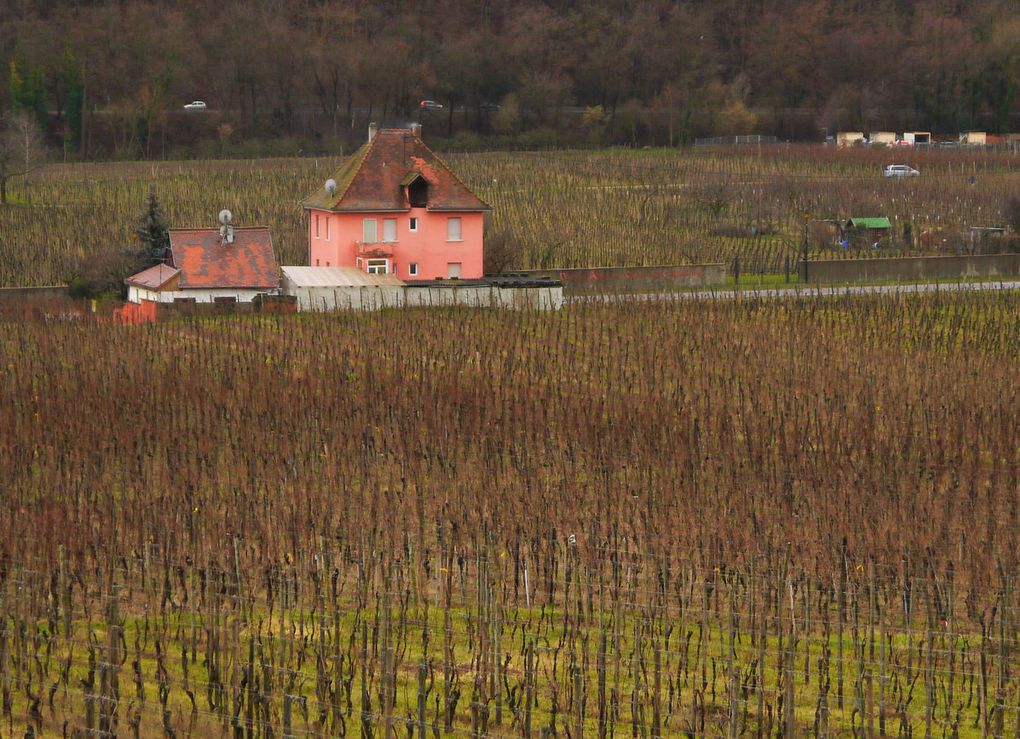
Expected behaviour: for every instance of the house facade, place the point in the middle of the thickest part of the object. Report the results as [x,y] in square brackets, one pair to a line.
[205,266]
[395,208]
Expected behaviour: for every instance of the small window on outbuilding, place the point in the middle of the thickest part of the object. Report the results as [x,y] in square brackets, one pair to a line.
[418,192]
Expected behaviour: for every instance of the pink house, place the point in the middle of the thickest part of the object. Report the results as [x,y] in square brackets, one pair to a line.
[396,208]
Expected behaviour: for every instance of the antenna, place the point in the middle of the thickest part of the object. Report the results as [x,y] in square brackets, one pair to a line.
[331,186]
[226,230]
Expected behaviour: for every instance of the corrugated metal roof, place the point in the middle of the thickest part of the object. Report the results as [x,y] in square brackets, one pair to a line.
[337,277]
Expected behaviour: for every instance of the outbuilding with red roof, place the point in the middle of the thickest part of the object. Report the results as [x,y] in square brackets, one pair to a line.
[207,265]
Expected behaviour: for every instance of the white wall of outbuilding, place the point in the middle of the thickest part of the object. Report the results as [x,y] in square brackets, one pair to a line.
[137,294]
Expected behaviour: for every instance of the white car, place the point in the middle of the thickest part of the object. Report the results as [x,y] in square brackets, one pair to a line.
[196,105]
[900,170]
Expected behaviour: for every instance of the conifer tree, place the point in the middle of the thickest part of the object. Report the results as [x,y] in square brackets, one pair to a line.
[28,91]
[15,86]
[152,232]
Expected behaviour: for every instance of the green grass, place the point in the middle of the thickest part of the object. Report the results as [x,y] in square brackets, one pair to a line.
[555,647]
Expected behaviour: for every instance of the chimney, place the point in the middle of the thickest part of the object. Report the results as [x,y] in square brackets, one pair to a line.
[416,130]
[372,128]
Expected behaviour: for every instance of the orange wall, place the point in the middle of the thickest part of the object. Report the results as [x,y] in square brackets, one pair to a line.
[427,247]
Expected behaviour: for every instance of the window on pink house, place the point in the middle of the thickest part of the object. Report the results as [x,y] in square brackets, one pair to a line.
[412,269]
[389,229]
[370,231]
[412,224]
[316,225]
[327,228]
[453,229]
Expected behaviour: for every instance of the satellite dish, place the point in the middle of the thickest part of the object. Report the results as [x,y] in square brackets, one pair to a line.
[225,216]
[331,186]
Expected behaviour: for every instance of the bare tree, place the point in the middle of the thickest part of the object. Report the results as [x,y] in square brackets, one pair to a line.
[21,149]
[502,250]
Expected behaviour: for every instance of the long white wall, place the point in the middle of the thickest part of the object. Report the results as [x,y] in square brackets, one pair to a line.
[376,298]
[542,298]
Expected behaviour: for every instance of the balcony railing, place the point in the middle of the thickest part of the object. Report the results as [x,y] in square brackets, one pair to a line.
[374,248]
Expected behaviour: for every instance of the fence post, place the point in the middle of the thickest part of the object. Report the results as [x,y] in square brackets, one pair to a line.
[736,270]
[786,268]
[806,217]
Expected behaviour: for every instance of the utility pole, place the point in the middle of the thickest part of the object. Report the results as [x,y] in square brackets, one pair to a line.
[807,218]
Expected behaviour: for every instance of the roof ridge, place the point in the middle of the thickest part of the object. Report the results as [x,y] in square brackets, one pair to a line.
[350,167]
[361,163]
[217,228]
[450,170]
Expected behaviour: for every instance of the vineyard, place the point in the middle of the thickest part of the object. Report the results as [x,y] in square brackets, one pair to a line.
[565,209]
[727,518]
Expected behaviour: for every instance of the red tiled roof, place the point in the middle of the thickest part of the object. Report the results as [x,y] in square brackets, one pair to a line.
[373,179]
[205,262]
[154,277]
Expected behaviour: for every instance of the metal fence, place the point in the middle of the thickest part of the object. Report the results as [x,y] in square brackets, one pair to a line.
[747,140]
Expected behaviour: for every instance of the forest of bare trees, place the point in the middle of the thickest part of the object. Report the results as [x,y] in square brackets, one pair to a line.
[111,77]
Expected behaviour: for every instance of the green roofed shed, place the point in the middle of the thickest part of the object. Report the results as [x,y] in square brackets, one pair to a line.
[869,223]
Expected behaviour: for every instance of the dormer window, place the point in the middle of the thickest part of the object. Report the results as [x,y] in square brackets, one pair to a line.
[418,192]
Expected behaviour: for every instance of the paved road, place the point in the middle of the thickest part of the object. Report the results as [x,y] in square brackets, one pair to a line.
[797,292]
